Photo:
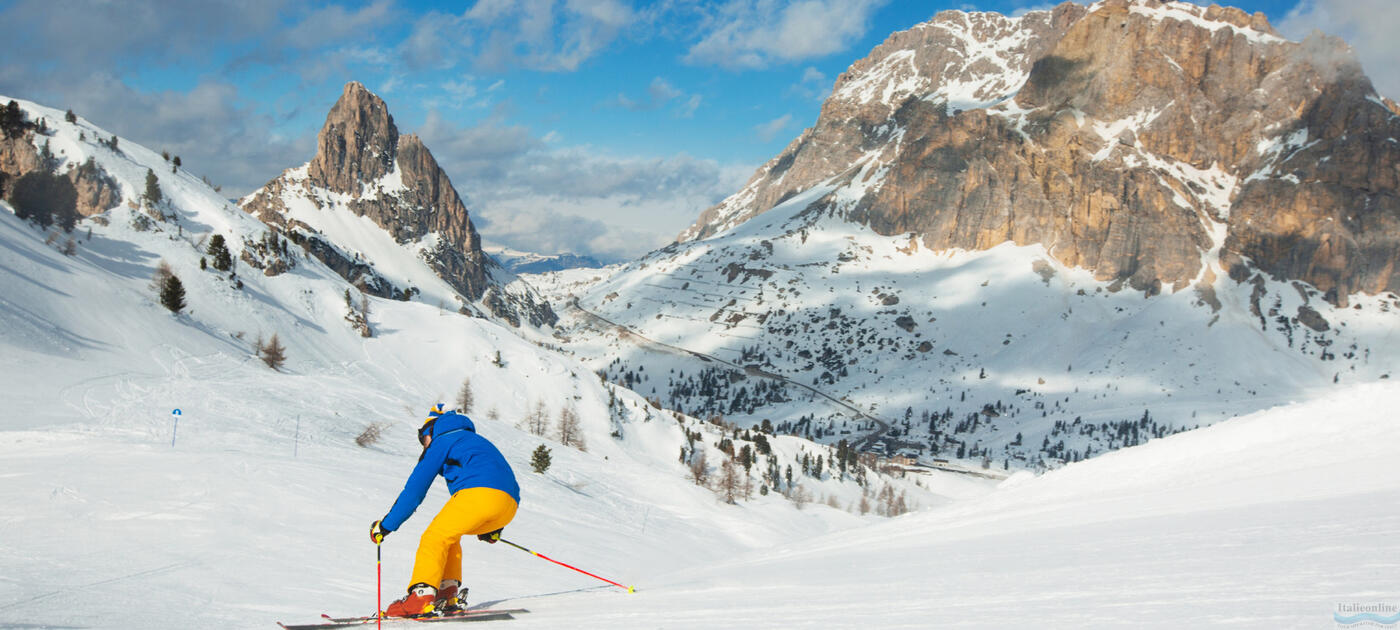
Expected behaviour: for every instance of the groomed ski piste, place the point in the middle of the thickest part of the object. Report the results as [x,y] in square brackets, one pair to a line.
[254,507]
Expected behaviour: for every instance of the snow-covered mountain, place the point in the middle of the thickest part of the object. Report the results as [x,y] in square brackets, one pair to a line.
[251,504]
[1027,241]
[376,207]
[531,262]
[1156,143]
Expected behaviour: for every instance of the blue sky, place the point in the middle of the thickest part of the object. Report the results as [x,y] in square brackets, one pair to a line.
[593,126]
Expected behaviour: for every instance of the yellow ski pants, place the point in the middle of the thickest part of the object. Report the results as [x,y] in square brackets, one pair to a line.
[469,512]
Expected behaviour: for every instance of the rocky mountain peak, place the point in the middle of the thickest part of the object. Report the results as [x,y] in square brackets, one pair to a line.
[1158,143]
[357,144]
[365,166]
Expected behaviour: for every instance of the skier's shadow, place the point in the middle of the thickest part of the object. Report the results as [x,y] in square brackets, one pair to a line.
[495,602]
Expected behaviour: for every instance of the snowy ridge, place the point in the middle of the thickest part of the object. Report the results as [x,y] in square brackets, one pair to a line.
[988,69]
[531,262]
[74,143]
[1196,14]
[328,213]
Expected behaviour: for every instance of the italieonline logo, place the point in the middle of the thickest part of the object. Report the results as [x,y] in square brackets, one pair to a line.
[1373,615]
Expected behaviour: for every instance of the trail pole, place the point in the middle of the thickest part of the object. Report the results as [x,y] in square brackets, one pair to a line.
[630,589]
[175,413]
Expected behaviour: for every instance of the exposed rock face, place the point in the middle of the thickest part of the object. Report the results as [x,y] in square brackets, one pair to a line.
[364,164]
[97,191]
[1152,142]
[357,144]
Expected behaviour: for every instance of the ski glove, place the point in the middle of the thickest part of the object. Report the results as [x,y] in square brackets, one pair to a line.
[377,533]
[490,537]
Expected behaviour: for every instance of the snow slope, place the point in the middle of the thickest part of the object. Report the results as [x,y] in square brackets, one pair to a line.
[253,504]
[258,511]
[928,341]
[1265,521]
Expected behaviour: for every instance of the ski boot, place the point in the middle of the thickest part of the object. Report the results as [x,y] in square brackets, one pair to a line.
[420,602]
[451,598]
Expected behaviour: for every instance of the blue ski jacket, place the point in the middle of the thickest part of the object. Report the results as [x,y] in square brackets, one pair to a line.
[463,458]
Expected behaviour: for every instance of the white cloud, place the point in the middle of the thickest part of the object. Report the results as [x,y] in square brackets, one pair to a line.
[813,86]
[207,127]
[687,109]
[769,130]
[333,23]
[437,41]
[760,33]
[459,92]
[1370,26]
[660,93]
[661,90]
[529,193]
[531,34]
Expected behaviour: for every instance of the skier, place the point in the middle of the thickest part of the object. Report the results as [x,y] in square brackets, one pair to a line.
[484,498]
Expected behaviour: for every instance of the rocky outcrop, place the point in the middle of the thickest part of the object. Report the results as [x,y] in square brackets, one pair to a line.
[1150,142]
[357,144]
[363,164]
[97,190]
[965,58]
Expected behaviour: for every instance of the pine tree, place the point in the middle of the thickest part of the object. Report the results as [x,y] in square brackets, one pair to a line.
[45,197]
[746,458]
[153,195]
[70,117]
[223,261]
[539,459]
[172,294]
[12,120]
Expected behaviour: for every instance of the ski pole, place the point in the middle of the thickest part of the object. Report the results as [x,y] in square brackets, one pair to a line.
[630,589]
[378,583]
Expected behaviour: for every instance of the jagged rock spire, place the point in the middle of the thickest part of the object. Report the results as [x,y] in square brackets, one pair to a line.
[393,180]
[357,144]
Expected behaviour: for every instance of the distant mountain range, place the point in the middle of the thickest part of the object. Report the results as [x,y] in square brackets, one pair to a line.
[526,262]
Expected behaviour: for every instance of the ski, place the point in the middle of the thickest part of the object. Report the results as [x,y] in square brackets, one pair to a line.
[486,614]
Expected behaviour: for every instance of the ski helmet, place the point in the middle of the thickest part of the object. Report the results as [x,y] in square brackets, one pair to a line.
[426,431]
